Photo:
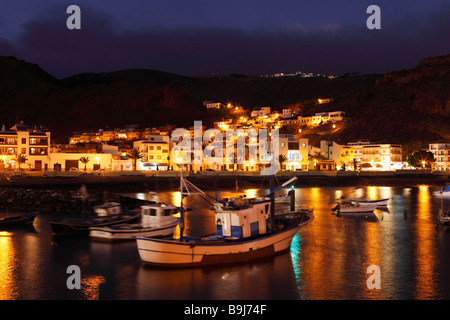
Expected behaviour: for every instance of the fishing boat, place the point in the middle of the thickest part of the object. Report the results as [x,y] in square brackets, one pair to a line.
[107,214]
[246,229]
[367,201]
[18,221]
[443,192]
[157,220]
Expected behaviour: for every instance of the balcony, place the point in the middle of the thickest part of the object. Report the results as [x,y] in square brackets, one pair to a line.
[38,151]
[8,141]
[38,142]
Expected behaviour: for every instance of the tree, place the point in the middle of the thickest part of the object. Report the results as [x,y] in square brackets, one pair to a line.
[20,158]
[135,155]
[318,156]
[84,160]
[232,159]
[420,158]
[282,159]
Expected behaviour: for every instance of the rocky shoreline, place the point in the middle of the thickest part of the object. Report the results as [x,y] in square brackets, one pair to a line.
[222,180]
[59,200]
[58,194]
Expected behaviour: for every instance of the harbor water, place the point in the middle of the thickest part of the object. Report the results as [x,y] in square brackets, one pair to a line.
[330,258]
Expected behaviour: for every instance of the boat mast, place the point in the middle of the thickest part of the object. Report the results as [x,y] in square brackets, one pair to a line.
[186,189]
[272,204]
[181,204]
[272,197]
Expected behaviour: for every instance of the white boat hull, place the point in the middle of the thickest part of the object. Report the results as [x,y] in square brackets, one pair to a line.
[366,202]
[176,253]
[357,209]
[124,234]
[444,218]
[445,194]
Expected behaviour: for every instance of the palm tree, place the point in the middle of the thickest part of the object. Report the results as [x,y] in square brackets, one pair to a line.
[232,159]
[135,155]
[282,159]
[20,158]
[318,156]
[84,160]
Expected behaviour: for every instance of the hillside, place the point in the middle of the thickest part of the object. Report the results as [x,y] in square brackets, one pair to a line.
[409,107]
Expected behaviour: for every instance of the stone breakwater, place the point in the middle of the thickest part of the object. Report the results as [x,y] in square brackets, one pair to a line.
[64,201]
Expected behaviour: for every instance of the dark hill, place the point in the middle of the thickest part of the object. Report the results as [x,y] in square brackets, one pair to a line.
[409,107]
[132,76]
[144,97]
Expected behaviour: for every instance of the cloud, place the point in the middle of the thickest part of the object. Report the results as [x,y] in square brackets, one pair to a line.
[102,46]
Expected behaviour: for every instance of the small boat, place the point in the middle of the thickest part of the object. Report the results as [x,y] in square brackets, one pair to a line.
[443,192]
[18,221]
[367,201]
[157,220]
[444,217]
[246,229]
[281,199]
[354,208]
[107,214]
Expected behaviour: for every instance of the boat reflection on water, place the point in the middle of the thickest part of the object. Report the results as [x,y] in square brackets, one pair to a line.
[269,278]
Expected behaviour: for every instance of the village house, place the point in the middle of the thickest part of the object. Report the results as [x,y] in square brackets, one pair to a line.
[33,142]
[322,117]
[341,155]
[372,156]
[295,151]
[441,152]
[155,153]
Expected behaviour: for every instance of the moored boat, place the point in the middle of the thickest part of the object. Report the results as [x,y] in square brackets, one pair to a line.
[354,208]
[18,221]
[157,220]
[107,214]
[443,192]
[367,201]
[444,217]
[246,229]
[282,198]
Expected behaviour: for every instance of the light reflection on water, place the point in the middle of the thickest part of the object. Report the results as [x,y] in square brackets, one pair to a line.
[328,259]
[8,286]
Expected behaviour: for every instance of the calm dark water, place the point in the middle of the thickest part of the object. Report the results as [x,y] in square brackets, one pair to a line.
[328,258]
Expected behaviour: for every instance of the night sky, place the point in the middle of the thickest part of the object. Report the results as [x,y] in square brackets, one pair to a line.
[216,37]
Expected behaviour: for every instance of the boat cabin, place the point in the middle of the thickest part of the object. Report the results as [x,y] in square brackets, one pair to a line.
[157,214]
[107,209]
[237,218]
